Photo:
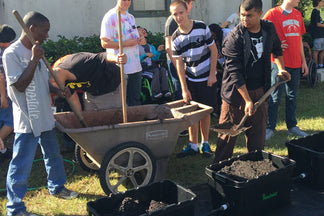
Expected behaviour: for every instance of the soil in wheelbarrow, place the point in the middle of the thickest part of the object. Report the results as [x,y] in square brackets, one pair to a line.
[249,169]
[133,207]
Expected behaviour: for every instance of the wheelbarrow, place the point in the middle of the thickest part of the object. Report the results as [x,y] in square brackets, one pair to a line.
[133,154]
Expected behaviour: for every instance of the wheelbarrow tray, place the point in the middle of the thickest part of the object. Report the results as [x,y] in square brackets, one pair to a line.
[156,126]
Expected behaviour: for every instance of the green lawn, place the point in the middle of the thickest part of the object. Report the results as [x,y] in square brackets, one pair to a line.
[187,171]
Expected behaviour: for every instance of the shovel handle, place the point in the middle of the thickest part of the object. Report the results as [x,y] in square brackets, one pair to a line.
[60,85]
[122,75]
[260,101]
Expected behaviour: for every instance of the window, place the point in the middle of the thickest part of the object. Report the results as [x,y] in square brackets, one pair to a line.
[150,8]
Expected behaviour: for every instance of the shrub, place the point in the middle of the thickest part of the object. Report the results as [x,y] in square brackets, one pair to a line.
[56,49]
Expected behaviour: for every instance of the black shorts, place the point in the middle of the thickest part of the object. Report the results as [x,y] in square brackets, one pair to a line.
[202,93]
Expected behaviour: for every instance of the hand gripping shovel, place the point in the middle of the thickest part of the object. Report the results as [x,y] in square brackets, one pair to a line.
[233,130]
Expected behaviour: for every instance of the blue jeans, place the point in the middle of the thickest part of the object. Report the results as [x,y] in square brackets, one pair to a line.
[134,88]
[291,89]
[24,149]
[175,81]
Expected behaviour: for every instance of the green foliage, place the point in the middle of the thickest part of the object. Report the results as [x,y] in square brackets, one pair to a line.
[56,49]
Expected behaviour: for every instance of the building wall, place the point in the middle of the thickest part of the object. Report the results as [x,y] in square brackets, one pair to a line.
[83,17]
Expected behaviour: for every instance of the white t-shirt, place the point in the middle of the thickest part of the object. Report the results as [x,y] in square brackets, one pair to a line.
[233,20]
[31,108]
[109,29]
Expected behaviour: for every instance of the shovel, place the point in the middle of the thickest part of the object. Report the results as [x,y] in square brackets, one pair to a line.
[233,130]
[61,86]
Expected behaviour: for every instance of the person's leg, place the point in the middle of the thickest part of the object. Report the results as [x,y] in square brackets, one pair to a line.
[176,82]
[164,80]
[204,128]
[321,58]
[291,97]
[255,136]
[155,82]
[134,87]
[225,143]
[24,149]
[110,100]
[274,99]
[315,56]
[53,161]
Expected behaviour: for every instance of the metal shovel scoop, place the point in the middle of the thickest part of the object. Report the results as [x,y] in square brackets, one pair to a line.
[231,129]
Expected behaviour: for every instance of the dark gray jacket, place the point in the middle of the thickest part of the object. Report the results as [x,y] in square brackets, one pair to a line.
[236,49]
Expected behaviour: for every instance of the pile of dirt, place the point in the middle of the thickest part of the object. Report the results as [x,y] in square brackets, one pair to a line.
[249,169]
[133,207]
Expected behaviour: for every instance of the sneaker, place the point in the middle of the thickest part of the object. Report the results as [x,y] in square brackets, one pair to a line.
[6,156]
[158,95]
[66,194]
[184,133]
[167,95]
[187,151]
[24,213]
[295,131]
[269,133]
[205,149]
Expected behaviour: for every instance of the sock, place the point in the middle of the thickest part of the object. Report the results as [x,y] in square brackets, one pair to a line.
[194,146]
[204,142]
[3,150]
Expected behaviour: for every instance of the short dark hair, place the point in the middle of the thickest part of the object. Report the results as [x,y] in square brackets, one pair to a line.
[250,4]
[316,2]
[34,18]
[178,2]
[7,34]
[217,30]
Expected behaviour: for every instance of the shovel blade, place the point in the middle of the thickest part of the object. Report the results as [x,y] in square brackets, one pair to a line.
[229,129]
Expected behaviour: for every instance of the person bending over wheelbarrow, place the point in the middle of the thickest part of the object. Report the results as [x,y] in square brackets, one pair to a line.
[247,50]
[94,73]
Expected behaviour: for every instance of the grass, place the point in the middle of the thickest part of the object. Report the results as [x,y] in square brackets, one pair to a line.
[187,171]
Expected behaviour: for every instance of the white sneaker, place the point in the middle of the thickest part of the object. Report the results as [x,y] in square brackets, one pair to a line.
[269,133]
[295,131]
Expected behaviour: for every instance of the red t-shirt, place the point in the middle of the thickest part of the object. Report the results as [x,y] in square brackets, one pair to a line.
[290,27]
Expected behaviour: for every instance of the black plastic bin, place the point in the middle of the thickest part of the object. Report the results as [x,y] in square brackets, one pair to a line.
[255,196]
[180,201]
[308,152]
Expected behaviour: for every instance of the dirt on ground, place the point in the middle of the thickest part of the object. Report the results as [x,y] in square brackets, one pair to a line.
[249,169]
[133,207]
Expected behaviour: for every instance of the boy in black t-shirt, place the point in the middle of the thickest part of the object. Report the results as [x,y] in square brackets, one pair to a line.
[94,73]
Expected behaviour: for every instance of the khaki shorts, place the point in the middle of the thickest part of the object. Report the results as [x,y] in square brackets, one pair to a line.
[107,101]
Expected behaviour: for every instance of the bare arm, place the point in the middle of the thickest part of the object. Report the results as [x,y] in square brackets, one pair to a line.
[283,74]
[26,77]
[3,92]
[246,97]
[304,63]
[168,49]
[119,59]
[213,63]
[225,24]
[182,78]
[108,44]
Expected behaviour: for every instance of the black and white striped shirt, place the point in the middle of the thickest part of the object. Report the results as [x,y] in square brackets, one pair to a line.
[193,48]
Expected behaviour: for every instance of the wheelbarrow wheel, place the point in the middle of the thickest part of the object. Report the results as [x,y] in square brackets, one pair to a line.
[127,166]
[83,160]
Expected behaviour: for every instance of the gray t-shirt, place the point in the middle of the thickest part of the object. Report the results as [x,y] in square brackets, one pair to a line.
[31,108]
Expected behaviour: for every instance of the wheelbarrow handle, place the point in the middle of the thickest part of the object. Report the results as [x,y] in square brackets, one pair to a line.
[60,85]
